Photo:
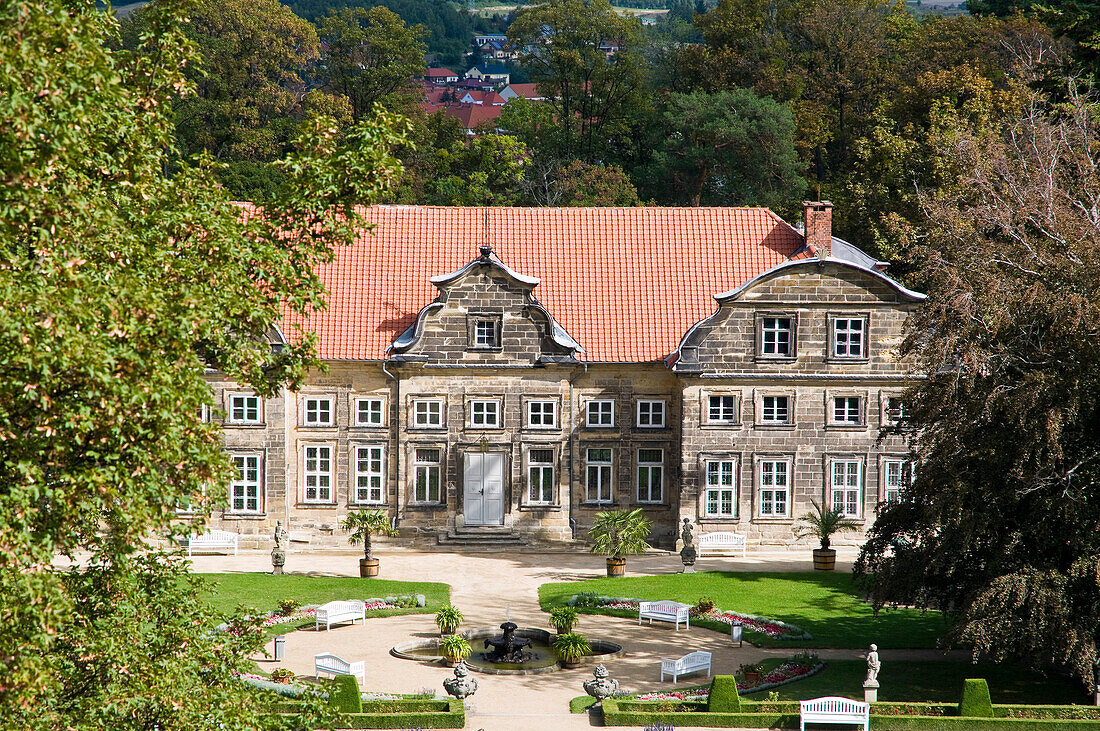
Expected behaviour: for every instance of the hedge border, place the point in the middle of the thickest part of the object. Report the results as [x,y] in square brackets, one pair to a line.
[615,715]
[453,717]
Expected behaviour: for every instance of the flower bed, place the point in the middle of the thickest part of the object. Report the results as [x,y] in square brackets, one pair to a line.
[790,670]
[762,625]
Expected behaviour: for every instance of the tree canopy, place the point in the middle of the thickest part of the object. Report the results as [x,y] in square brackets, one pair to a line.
[999,525]
[125,270]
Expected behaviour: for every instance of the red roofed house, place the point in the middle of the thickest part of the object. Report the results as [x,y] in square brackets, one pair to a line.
[503,374]
[440,76]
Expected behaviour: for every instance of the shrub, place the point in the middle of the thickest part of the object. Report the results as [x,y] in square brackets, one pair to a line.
[344,694]
[455,648]
[587,599]
[975,701]
[288,607]
[581,703]
[572,647]
[280,675]
[723,695]
[449,619]
[563,618]
[704,606]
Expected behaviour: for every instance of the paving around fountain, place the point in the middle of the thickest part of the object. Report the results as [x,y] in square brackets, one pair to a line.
[492,587]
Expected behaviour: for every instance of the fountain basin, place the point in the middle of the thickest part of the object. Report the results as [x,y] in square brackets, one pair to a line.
[427,650]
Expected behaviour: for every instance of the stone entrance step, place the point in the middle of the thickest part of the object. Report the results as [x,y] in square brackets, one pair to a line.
[481,535]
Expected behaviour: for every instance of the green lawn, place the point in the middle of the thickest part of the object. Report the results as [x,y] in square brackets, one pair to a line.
[227,592]
[933,682]
[827,605]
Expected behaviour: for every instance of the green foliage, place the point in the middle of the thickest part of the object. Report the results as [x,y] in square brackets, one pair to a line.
[572,646]
[975,699]
[727,148]
[448,618]
[593,97]
[282,674]
[618,533]
[587,184]
[225,592]
[484,171]
[407,714]
[581,703]
[360,524]
[1003,529]
[823,522]
[125,273]
[344,694]
[563,619]
[371,57]
[455,647]
[723,695]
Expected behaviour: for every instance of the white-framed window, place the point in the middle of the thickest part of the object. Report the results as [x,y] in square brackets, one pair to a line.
[317,473]
[244,409]
[245,488]
[427,466]
[775,410]
[486,334]
[540,475]
[720,500]
[600,413]
[651,475]
[849,337]
[542,413]
[897,474]
[203,413]
[319,411]
[845,485]
[427,413]
[485,413]
[651,414]
[597,480]
[776,336]
[370,473]
[721,409]
[369,411]
[775,486]
[846,410]
[893,410]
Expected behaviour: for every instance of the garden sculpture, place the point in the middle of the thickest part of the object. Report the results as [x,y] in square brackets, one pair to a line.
[460,686]
[601,686]
[278,554]
[873,666]
[688,553]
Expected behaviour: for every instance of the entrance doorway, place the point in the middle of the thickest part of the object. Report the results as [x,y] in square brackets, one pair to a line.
[483,488]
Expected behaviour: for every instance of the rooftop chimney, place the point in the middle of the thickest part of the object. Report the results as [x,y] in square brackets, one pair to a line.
[817,219]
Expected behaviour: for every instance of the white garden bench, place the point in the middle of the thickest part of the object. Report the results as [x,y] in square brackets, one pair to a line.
[711,544]
[692,662]
[333,665]
[336,612]
[213,540]
[665,611]
[832,709]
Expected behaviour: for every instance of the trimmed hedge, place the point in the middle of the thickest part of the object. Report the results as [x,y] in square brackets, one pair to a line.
[344,695]
[723,695]
[411,713]
[581,703]
[784,714]
[975,701]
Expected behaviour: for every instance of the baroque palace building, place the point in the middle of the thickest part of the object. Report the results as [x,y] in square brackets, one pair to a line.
[503,374]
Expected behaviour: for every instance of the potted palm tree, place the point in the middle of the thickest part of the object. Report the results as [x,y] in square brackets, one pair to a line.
[455,649]
[822,523]
[571,647]
[563,618]
[449,619]
[359,526]
[617,534]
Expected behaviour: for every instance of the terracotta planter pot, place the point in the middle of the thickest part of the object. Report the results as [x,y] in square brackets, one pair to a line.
[283,681]
[824,559]
[752,678]
[368,567]
[616,567]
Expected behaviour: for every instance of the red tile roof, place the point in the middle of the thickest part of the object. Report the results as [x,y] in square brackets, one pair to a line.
[527,91]
[440,73]
[626,283]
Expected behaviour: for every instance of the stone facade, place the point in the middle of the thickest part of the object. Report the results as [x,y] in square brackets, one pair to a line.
[485,413]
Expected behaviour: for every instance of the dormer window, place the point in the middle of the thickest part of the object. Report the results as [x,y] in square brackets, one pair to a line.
[775,335]
[484,332]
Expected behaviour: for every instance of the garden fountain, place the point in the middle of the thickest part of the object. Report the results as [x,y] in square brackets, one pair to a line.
[507,648]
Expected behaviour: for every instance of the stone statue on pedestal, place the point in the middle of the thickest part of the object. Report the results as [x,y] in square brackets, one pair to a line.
[601,686]
[688,553]
[278,554]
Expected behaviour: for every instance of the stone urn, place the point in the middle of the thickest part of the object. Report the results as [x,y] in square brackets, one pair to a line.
[601,686]
[461,686]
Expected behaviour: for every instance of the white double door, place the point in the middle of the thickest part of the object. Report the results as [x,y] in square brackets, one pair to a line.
[483,488]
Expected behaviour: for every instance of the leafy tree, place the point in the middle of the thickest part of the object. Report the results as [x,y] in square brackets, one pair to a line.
[248,87]
[119,283]
[593,96]
[999,525]
[729,148]
[583,184]
[485,171]
[371,57]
